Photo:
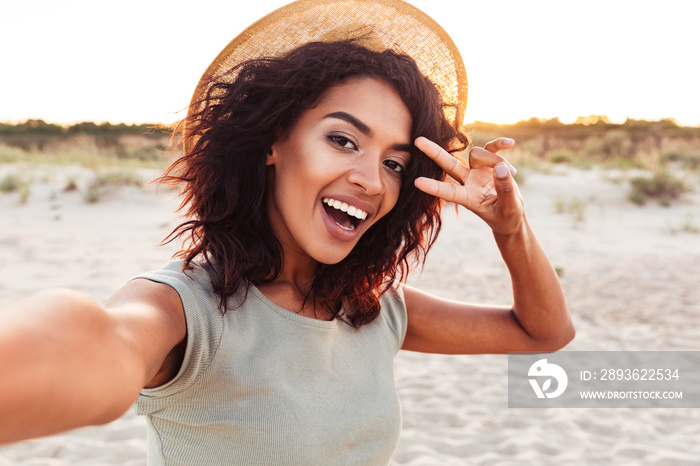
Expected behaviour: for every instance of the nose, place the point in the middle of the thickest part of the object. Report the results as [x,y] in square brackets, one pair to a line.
[367,173]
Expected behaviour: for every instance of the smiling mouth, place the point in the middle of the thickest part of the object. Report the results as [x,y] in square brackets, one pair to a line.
[344,215]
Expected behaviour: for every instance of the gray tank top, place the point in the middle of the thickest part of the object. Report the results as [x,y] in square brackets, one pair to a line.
[260,385]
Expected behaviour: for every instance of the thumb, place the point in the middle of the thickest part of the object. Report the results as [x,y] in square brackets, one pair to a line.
[504,183]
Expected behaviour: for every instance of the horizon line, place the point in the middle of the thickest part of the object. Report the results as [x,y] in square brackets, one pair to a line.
[588,120]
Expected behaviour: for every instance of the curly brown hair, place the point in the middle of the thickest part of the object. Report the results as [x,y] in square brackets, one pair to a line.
[224,180]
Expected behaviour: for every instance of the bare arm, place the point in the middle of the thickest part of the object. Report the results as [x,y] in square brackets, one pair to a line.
[538,320]
[66,362]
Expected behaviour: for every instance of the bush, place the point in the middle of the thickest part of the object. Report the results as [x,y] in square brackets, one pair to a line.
[662,186]
[560,156]
[9,154]
[93,192]
[10,183]
[617,144]
[688,159]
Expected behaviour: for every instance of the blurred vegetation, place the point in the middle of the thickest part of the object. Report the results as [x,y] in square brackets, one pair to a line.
[94,191]
[667,155]
[661,149]
[12,182]
[113,154]
[661,186]
[88,144]
[595,140]
[37,134]
[9,183]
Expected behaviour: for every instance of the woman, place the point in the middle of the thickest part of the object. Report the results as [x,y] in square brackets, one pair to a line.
[313,179]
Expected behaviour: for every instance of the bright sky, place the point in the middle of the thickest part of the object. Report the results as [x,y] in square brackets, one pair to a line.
[138,61]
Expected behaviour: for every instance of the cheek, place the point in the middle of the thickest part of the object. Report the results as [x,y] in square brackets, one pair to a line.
[393,191]
[299,179]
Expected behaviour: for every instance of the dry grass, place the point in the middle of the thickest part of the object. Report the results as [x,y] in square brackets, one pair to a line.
[85,151]
[668,156]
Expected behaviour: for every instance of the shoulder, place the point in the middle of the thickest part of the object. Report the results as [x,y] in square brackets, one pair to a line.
[393,311]
[189,310]
[150,317]
[184,290]
[159,292]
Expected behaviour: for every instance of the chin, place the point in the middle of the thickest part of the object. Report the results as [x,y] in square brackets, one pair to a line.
[331,260]
[331,257]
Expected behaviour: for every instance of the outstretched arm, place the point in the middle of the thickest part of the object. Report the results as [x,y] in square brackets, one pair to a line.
[538,320]
[66,362]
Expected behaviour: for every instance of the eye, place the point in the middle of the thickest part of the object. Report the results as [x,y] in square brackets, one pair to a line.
[394,166]
[343,142]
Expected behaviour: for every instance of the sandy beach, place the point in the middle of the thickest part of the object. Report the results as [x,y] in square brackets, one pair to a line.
[630,275]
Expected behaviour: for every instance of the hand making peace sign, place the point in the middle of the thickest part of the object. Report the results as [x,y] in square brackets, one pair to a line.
[486,185]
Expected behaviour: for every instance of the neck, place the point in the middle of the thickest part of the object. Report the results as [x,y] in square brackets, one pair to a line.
[295,297]
[291,290]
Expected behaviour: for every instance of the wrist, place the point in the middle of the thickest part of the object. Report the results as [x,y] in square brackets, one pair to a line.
[517,235]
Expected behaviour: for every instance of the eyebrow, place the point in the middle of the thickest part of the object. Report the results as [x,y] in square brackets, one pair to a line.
[364,129]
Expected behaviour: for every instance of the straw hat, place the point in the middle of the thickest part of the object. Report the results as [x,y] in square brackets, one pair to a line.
[379,25]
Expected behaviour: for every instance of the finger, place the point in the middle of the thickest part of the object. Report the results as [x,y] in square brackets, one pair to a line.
[499,144]
[444,159]
[445,191]
[505,186]
[479,158]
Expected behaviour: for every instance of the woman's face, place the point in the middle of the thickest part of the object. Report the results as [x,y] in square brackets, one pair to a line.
[338,170]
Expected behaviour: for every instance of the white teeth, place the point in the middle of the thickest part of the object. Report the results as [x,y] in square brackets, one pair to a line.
[342,206]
